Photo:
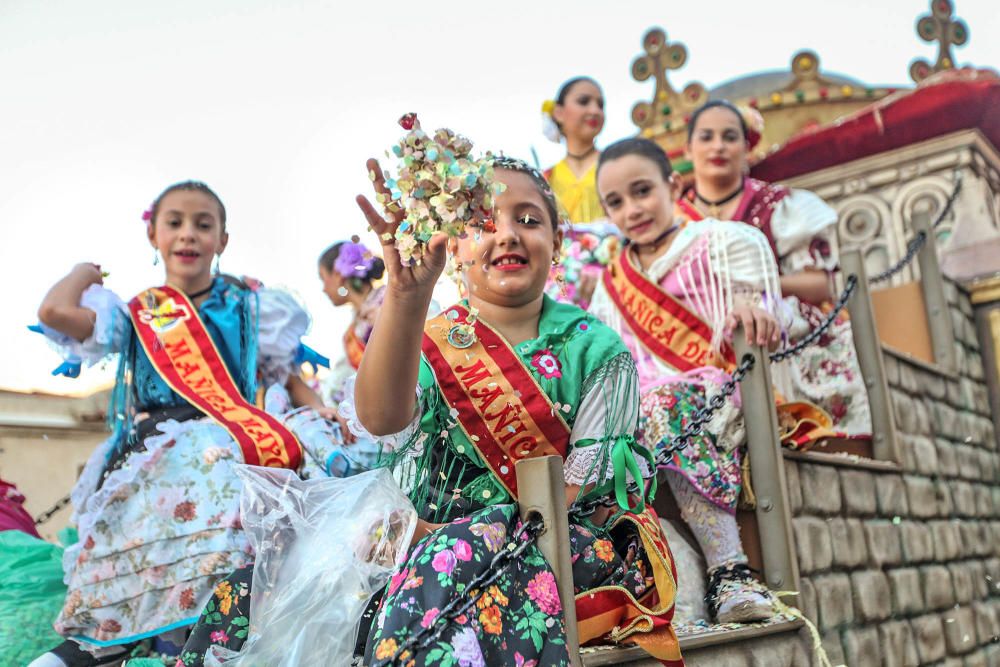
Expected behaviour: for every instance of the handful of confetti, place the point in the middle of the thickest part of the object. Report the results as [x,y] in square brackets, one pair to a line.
[439,185]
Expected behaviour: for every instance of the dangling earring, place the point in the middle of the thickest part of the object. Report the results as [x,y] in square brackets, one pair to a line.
[215,267]
[558,274]
[156,256]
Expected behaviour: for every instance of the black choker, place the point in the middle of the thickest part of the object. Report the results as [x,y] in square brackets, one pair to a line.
[201,293]
[658,240]
[584,155]
[713,206]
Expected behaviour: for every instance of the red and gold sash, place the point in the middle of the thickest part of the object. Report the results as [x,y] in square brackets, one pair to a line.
[682,340]
[353,348]
[665,327]
[614,612]
[184,354]
[507,416]
[500,407]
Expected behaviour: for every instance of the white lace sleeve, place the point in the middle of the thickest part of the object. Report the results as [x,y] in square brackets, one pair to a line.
[393,440]
[111,323]
[282,322]
[804,227]
[609,408]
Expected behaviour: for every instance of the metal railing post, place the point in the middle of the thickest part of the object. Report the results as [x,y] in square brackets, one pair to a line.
[542,494]
[869,350]
[767,470]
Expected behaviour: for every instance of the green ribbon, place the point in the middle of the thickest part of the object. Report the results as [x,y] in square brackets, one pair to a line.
[623,461]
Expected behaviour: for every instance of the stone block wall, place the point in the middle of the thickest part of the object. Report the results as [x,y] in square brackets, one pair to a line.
[903,567]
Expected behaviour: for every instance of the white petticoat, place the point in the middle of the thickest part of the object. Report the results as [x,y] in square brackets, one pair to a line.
[162,530]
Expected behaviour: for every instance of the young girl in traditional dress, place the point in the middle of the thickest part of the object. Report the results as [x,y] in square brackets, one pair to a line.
[576,115]
[673,295]
[157,505]
[459,398]
[801,230]
[348,271]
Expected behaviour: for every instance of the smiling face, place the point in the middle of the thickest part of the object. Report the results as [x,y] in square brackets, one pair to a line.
[509,266]
[636,197]
[717,148]
[581,114]
[188,233]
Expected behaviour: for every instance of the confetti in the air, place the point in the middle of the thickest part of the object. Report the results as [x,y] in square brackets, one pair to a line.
[440,186]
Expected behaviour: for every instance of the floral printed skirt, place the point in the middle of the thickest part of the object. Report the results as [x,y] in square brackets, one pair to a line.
[518,621]
[712,470]
[158,533]
[827,373]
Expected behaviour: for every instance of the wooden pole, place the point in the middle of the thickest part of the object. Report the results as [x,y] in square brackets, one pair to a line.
[542,494]
[885,446]
[932,284]
[767,470]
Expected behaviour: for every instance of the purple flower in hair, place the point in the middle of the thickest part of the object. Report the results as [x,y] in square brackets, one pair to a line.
[353,260]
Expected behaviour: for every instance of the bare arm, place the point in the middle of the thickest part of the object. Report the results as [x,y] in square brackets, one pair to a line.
[300,393]
[384,393]
[810,285]
[61,310]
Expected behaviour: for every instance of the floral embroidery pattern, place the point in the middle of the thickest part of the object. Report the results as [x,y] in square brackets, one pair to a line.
[546,364]
[713,470]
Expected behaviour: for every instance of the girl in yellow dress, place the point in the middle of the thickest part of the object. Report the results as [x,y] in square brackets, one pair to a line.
[576,115]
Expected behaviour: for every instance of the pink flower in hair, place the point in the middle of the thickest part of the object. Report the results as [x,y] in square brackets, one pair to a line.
[147,215]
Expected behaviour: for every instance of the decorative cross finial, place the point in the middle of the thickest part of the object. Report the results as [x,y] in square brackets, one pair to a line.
[939,26]
[667,105]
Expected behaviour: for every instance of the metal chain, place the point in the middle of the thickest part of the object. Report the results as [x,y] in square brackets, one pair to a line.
[694,427]
[476,588]
[917,242]
[52,511]
[815,334]
[913,246]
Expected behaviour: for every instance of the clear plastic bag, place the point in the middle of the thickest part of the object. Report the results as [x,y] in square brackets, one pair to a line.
[324,546]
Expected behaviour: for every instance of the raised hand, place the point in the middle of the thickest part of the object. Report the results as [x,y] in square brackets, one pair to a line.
[417,277]
[88,273]
[759,326]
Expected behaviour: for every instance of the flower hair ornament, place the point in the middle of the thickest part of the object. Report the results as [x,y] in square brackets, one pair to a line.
[549,126]
[754,123]
[147,215]
[354,260]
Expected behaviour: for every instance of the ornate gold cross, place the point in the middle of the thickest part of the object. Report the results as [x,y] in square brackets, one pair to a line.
[939,26]
[668,105]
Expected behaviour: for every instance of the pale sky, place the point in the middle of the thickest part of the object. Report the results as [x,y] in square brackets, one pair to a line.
[277,103]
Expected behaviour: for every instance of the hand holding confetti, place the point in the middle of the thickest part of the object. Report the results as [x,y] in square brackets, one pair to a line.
[439,188]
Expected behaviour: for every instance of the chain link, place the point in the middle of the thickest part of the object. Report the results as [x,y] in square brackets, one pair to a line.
[917,242]
[52,511]
[849,286]
[507,556]
[694,427]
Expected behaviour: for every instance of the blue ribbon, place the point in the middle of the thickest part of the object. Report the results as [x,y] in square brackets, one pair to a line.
[307,355]
[69,368]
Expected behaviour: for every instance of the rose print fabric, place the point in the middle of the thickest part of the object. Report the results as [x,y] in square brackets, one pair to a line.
[517,621]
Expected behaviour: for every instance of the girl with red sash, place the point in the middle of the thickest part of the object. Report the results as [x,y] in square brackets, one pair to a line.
[673,295]
[801,230]
[507,374]
[157,505]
